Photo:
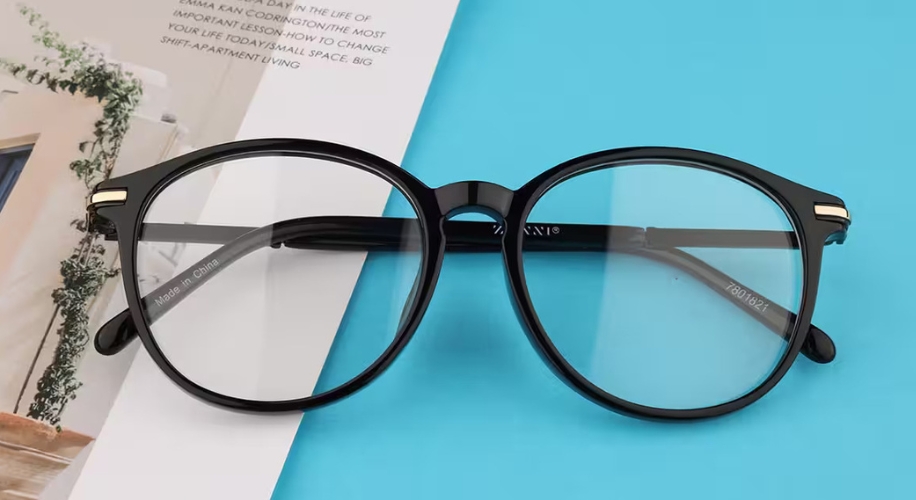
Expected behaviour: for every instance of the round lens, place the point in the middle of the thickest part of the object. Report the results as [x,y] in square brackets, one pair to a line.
[274,278]
[668,286]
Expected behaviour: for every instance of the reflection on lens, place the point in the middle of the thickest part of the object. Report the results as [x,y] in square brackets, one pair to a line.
[251,271]
[646,324]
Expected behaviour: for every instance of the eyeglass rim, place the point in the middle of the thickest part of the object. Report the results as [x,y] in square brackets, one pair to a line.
[551,354]
[145,184]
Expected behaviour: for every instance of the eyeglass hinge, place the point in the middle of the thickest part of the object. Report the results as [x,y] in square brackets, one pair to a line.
[97,223]
[107,196]
[832,211]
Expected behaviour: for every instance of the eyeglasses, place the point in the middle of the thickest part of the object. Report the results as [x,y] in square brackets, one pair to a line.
[657,282]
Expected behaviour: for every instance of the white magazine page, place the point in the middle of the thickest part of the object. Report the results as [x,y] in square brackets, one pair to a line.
[353,72]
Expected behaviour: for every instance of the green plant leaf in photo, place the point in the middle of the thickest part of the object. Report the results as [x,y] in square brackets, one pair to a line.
[77,69]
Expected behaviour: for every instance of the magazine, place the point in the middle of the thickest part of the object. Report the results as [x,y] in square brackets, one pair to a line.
[101,88]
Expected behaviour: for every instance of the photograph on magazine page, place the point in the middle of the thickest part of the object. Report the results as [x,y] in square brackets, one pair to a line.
[83,99]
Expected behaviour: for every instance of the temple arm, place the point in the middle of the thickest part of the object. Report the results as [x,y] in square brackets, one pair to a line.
[383,233]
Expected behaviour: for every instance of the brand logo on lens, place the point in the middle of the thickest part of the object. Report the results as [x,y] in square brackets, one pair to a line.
[530,230]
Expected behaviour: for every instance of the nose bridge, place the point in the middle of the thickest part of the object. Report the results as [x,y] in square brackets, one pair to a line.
[474,196]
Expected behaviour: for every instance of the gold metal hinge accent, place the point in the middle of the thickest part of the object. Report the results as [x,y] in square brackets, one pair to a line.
[832,211]
[109,196]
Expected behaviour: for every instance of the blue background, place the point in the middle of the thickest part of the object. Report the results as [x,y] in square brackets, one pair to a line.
[817,91]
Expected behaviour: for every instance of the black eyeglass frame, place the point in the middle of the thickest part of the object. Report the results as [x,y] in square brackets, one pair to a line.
[118,206]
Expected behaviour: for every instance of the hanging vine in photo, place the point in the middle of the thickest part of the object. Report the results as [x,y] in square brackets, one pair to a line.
[79,70]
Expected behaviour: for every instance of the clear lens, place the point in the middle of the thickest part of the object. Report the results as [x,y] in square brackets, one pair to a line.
[247,268]
[641,323]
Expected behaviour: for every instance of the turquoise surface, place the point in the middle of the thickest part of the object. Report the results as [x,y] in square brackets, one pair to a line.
[818,91]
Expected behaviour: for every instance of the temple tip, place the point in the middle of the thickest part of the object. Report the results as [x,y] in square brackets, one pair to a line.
[818,346]
[116,334]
